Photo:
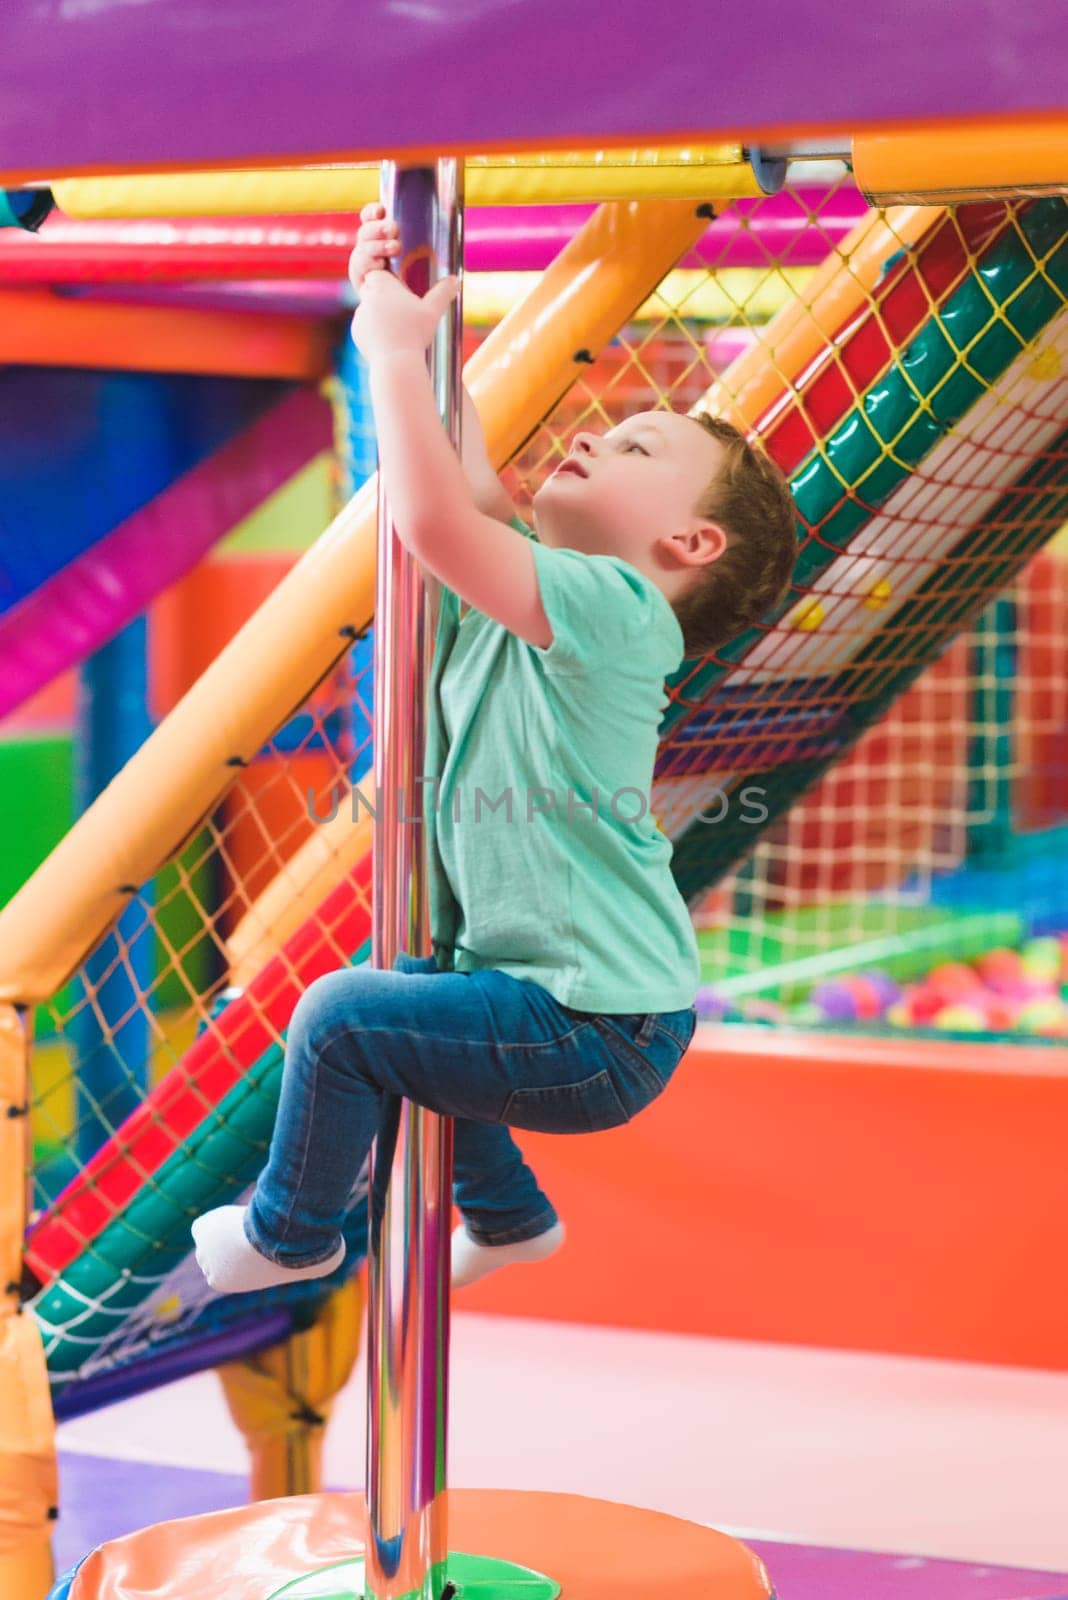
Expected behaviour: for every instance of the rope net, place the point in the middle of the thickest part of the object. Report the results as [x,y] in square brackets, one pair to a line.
[897,725]
[156,1076]
[896,733]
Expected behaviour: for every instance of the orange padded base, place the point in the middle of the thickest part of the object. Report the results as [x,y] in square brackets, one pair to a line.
[595,1549]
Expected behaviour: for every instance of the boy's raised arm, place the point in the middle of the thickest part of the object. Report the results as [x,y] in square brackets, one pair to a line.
[434,510]
[377,244]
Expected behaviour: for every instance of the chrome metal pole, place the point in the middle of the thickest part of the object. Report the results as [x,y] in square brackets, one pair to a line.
[408,1253]
[809,150]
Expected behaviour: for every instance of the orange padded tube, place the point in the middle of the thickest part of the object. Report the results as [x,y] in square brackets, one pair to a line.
[932,163]
[28,1482]
[43,329]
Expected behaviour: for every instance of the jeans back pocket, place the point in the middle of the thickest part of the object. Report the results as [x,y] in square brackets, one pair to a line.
[586,1107]
[645,1057]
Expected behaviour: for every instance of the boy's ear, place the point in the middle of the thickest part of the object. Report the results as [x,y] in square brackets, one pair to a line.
[717,538]
[707,540]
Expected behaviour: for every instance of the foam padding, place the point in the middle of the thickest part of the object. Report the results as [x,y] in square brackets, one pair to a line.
[81,451]
[864,1194]
[595,1549]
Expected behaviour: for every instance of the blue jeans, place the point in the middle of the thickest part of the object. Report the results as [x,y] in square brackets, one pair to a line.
[484,1048]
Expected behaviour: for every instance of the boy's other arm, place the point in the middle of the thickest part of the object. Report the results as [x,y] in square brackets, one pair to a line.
[491,497]
[436,511]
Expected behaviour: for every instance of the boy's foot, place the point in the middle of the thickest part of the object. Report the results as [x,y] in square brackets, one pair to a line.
[233,1265]
[471,1260]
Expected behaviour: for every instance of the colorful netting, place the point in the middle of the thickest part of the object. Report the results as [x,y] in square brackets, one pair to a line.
[911,386]
[156,1079]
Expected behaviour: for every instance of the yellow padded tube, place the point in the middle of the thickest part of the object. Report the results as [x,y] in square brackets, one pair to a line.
[699,172]
[281,1399]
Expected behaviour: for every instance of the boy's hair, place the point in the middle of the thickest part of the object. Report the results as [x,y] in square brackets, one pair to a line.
[750,500]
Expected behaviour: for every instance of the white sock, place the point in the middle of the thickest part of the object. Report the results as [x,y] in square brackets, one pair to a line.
[471,1260]
[232,1265]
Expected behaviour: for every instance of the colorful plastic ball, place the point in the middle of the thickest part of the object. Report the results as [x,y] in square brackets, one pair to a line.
[1041,958]
[710,1006]
[1046,948]
[1001,1012]
[1001,970]
[835,1001]
[1030,987]
[954,981]
[898,1015]
[960,1018]
[867,996]
[887,988]
[1043,1017]
[924,1004]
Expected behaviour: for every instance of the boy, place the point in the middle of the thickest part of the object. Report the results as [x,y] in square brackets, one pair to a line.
[560,994]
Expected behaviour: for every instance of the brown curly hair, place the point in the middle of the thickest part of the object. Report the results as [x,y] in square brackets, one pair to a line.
[750,500]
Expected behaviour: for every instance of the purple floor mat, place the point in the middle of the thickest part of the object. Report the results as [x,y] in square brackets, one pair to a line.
[809,1572]
[102,1499]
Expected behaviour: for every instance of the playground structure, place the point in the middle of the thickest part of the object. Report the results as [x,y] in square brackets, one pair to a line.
[911,385]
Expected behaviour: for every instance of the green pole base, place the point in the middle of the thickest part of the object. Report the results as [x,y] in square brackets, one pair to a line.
[465,1578]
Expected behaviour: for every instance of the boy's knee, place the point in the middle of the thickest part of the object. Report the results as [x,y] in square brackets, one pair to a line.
[316,1012]
[339,999]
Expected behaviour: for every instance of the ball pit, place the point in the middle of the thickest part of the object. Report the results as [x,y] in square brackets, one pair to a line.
[1004,991]
[1022,991]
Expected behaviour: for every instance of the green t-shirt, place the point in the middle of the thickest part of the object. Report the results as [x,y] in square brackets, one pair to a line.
[544,860]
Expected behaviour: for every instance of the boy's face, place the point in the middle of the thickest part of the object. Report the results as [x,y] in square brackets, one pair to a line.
[628,492]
